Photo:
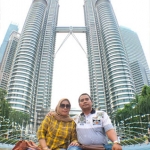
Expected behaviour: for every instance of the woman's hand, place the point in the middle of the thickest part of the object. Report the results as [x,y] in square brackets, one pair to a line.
[74,144]
[46,148]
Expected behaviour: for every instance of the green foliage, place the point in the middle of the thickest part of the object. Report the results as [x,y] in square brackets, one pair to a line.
[2,94]
[5,108]
[138,106]
[145,91]
[11,121]
[136,114]
[19,117]
[6,111]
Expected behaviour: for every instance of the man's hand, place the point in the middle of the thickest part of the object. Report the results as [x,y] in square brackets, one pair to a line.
[74,144]
[49,113]
[116,147]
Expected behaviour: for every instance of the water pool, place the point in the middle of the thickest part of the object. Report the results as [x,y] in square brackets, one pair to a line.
[137,147]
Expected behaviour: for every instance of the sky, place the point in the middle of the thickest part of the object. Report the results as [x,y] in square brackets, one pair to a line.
[70,77]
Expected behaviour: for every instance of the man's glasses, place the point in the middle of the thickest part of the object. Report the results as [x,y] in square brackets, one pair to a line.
[65,106]
[84,99]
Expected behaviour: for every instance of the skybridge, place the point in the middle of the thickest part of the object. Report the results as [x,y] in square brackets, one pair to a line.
[70,29]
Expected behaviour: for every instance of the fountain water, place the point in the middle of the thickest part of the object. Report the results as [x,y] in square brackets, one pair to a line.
[11,133]
[134,135]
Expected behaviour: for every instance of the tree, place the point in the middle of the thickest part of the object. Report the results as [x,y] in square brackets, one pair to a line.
[145,91]
[145,103]
[139,109]
[2,94]
[21,118]
[5,107]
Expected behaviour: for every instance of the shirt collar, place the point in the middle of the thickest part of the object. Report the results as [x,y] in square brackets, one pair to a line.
[92,112]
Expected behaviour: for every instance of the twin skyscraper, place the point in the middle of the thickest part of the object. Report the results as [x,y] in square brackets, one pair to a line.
[110,63]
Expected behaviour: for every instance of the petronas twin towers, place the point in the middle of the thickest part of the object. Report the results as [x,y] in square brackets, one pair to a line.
[30,85]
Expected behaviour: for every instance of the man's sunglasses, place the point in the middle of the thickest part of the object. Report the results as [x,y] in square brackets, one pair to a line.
[65,105]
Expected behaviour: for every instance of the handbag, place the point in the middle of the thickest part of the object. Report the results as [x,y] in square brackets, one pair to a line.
[92,147]
[24,145]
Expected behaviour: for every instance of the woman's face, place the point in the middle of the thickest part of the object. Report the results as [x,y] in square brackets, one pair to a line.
[64,108]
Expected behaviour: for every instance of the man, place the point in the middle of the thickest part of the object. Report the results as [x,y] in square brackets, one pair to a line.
[93,126]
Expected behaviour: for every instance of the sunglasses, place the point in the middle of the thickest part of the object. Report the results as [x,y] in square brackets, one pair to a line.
[65,106]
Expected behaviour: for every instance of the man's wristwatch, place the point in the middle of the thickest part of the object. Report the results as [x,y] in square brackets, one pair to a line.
[116,142]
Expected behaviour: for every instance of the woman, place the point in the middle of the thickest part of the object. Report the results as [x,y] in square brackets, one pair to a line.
[57,131]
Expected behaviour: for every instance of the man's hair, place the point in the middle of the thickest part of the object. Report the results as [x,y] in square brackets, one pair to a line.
[84,94]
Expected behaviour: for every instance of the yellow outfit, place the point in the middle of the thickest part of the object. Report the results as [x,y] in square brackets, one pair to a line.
[58,134]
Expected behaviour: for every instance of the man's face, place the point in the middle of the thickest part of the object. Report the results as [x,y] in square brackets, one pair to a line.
[85,102]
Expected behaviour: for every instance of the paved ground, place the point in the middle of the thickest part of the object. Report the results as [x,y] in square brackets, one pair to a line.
[137,147]
[6,147]
[132,147]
